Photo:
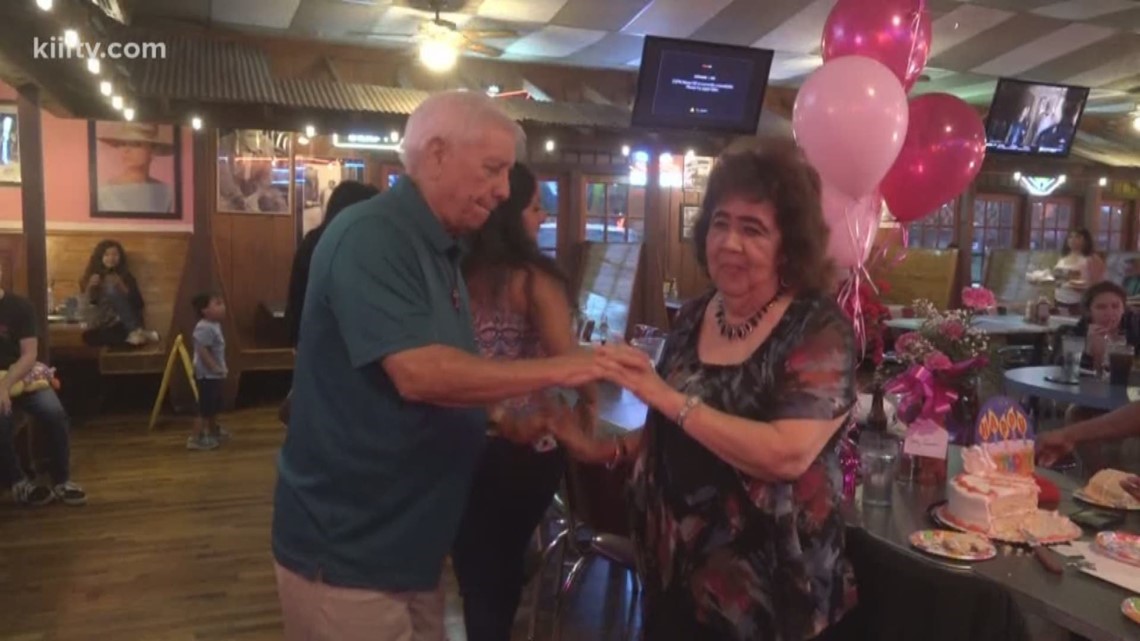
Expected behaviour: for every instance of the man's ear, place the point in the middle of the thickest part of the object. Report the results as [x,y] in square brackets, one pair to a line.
[435,151]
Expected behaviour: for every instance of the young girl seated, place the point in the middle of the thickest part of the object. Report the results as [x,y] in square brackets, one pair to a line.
[115,298]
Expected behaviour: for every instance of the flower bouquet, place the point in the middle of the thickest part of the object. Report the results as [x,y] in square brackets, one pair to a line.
[945,359]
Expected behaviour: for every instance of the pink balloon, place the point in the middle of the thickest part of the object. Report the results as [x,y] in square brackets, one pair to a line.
[943,153]
[850,118]
[895,32]
[853,223]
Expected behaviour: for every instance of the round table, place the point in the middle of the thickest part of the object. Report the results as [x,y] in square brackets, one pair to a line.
[1091,392]
[1006,325]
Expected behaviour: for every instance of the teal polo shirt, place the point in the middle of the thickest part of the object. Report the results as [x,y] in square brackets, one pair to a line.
[371,487]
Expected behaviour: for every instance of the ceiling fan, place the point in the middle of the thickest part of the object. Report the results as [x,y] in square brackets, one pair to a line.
[434,28]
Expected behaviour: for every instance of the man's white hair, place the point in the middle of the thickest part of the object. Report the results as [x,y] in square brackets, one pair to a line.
[453,116]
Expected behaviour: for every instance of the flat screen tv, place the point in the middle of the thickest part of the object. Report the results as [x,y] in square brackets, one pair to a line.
[1034,118]
[684,84]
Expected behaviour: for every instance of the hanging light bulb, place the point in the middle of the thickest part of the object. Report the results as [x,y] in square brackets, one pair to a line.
[195,123]
[44,4]
[129,113]
[117,102]
[310,131]
[549,145]
[438,55]
[105,88]
[625,150]
[70,38]
[94,66]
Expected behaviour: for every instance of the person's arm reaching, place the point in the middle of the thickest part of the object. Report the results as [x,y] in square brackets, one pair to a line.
[550,313]
[380,299]
[816,403]
[1118,424]
[443,375]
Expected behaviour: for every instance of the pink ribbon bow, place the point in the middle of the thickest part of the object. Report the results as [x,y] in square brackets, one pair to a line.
[922,394]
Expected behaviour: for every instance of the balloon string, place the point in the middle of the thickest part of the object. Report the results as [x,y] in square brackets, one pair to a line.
[915,26]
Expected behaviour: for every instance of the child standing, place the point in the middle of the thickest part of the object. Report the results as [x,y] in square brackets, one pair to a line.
[209,371]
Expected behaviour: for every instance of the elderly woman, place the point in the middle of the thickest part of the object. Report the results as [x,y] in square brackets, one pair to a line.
[736,490]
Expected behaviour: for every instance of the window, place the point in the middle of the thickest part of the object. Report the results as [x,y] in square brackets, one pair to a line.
[548,233]
[994,223]
[1110,226]
[615,211]
[1050,220]
[936,231]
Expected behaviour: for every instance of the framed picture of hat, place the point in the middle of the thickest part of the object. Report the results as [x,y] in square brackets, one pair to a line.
[135,169]
[9,144]
[254,166]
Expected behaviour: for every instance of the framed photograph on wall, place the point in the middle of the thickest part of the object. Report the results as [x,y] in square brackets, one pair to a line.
[135,169]
[254,167]
[9,144]
[689,216]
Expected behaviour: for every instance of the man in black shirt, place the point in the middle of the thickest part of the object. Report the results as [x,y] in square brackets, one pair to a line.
[18,346]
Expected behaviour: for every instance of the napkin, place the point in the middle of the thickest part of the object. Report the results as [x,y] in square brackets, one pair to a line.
[1107,569]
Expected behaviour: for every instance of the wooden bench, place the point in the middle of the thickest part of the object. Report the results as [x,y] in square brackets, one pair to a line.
[158,260]
[1005,275]
[922,273]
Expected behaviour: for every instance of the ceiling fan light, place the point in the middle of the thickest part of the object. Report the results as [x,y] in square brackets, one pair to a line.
[437,55]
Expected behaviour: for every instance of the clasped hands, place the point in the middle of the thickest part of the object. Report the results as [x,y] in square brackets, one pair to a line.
[620,364]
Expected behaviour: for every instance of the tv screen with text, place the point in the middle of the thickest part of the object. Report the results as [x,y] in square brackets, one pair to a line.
[696,85]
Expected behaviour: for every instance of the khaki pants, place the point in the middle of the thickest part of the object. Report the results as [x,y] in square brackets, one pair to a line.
[315,611]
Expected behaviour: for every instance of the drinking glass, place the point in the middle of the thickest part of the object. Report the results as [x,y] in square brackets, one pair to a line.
[651,345]
[1120,358]
[1072,347]
[877,455]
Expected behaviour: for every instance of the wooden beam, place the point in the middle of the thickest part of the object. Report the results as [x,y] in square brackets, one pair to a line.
[34,210]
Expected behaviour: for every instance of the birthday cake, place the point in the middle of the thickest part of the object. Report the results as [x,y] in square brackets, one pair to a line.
[1104,488]
[989,498]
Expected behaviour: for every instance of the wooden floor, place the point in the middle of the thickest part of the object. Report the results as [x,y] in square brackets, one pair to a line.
[174,545]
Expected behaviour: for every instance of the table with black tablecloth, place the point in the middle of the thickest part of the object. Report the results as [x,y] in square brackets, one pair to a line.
[906,592]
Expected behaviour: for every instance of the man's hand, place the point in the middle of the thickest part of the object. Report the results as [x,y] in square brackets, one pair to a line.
[1132,486]
[1054,446]
[5,403]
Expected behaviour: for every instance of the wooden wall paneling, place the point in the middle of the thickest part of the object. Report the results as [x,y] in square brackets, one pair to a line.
[14,274]
[34,206]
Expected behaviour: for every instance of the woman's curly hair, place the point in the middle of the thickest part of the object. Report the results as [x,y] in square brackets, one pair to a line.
[775,171]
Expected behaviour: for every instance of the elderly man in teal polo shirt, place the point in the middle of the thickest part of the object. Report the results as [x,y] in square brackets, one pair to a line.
[388,411]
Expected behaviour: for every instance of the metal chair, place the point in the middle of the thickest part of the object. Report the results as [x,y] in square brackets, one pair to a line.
[594,524]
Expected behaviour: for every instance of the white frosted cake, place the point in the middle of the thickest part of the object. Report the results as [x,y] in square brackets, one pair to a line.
[1104,487]
[987,500]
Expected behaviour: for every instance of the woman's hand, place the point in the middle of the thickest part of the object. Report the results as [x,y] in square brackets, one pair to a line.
[116,281]
[1054,446]
[632,369]
[94,281]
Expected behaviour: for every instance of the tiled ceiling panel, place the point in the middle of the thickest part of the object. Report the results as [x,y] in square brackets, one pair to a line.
[1084,9]
[676,18]
[1048,47]
[603,15]
[1085,42]
[267,14]
[521,10]
[554,42]
[801,33]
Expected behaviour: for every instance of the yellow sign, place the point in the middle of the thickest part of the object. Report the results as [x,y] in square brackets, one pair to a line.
[178,354]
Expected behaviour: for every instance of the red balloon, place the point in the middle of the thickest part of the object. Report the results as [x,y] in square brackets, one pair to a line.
[894,32]
[943,152]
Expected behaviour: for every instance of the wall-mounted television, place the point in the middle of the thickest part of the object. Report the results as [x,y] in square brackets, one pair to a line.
[684,84]
[1034,117]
